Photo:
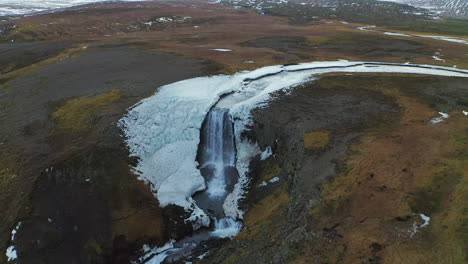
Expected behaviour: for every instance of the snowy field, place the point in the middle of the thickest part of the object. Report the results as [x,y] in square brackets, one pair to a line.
[22,7]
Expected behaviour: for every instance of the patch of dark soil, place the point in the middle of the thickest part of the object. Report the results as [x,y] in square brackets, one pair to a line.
[442,93]
[17,56]
[121,44]
[377,46]
[288,57]
[279,43]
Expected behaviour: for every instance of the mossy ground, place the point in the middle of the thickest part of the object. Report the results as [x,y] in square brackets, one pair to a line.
[77,115]
[261,218]
[316,140]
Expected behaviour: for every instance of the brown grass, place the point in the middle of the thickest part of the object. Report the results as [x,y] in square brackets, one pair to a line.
[387,175]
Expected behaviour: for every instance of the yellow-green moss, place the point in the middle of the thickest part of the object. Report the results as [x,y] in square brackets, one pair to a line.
[261,218]
[316,140]
[76,114]
[93,247]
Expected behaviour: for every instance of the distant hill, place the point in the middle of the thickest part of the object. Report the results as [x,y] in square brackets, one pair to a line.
[457,8]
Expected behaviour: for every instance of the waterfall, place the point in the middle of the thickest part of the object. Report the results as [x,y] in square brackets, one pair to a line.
[218,152]
[217,159]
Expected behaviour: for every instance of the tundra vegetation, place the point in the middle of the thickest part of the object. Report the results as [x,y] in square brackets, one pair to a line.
[357,159]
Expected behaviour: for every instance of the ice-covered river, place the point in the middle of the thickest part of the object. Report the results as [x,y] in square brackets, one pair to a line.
[188,138]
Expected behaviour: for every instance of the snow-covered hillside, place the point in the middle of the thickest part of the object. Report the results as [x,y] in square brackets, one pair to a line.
[22,7]
[445,7]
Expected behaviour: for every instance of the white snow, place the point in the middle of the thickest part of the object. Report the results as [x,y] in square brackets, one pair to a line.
[435,57]
[275,179]
[222,50]
[159,253]
[164,129]
[11,250]
[450,39]
[266,153]
[396,34]
[14,231]
[164,19]
[444,38]
[21,7]
[202,256]
[164,132]
[448,7]
[426,219]
[439,119]
[264,183]
[417,226]
[11,253]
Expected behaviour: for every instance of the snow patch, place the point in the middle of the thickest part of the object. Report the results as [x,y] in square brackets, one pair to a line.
[440,118]
[273,180]
[11,250]
[437,58]
[266,153]
[426,220]
[444,38]
[416,226]
[14,231]
[396,34]
[202,256]
[157,255]
[11,253]
[222,50]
